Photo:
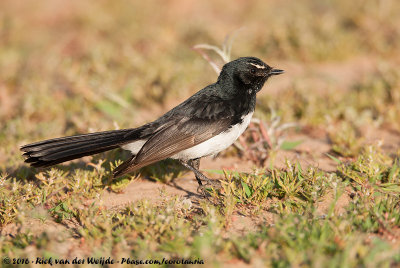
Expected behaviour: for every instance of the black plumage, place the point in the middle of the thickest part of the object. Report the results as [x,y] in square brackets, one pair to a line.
[197,127]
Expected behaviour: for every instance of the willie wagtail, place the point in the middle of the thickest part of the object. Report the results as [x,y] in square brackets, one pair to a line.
[204,124]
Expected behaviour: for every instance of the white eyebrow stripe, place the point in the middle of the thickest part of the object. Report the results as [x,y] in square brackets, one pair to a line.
[258,66]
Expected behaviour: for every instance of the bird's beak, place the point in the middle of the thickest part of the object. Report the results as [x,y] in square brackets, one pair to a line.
[276,72]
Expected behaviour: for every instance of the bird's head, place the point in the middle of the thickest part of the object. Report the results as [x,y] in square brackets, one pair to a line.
[248,73]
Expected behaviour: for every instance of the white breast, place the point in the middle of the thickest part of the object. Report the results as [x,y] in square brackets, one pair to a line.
[215,144]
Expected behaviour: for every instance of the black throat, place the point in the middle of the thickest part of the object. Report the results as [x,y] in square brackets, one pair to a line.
[241,96]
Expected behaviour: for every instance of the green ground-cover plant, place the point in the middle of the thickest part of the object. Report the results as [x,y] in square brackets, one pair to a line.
[75,68]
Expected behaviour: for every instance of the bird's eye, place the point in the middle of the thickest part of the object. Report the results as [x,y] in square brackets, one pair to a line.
[253,71]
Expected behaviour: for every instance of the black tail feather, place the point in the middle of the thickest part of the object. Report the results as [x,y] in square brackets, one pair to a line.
[50,152]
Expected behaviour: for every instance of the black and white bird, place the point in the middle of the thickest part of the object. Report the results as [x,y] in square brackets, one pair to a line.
[203,125]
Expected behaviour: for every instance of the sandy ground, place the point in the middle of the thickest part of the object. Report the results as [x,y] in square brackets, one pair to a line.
[312,151]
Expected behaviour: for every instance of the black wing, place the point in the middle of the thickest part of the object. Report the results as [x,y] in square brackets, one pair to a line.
[193,122]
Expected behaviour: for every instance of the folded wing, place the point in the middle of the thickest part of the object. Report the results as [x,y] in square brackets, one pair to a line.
[172,139]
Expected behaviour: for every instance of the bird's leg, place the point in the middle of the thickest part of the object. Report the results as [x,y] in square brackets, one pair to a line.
[194,165]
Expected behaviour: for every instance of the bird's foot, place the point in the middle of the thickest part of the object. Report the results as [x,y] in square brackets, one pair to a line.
[209,187]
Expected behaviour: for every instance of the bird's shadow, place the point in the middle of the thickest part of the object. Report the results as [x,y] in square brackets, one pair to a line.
[165,171]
